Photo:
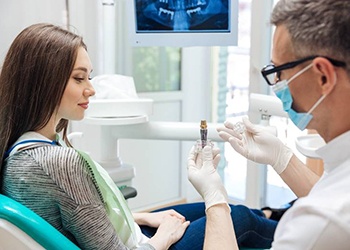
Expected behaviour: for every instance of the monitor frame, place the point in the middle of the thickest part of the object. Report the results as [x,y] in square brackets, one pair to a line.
[183,39]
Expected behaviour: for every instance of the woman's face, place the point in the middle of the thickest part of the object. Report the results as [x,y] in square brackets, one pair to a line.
[75,99]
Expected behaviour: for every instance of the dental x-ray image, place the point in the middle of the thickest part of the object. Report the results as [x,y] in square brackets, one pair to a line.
[182,15]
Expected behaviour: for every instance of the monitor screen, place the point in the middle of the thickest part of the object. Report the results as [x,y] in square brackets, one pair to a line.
[183,22]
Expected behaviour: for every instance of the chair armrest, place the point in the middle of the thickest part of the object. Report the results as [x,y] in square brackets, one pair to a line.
[128,192]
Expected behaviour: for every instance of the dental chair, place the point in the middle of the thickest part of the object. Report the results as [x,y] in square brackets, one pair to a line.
[22,229]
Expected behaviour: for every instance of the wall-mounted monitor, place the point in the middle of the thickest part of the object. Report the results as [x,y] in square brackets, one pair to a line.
[183,23]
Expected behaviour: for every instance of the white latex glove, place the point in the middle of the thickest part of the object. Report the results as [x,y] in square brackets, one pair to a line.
[204,177]
[256,143]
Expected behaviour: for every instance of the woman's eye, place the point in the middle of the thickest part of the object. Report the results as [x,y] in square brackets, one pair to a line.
[79,79]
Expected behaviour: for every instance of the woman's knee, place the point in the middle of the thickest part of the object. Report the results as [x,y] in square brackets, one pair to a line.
[240,209]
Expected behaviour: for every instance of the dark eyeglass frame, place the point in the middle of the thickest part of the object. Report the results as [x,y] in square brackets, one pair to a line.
[271,69]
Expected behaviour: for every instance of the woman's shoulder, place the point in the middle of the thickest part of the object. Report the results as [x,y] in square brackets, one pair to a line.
[52,152]
[65,166]
[57,157]
[53,160]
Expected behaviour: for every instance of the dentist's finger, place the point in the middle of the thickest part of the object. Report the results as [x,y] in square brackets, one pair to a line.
[228,131]
[249,126]
[226,136]
[207,157]
[216,160]
[216,151]
[238,146]
[192,156]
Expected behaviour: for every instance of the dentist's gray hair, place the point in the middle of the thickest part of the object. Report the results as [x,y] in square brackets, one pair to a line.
[317,27]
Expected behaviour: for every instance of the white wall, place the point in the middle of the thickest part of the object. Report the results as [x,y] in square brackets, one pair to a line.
[15,15]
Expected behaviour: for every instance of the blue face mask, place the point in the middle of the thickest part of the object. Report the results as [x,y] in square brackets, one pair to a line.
[281,89]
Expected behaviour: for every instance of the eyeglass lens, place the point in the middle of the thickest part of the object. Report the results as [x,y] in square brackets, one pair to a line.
[272,78]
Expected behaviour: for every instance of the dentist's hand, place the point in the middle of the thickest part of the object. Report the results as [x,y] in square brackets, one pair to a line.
[204,177]
[257,144]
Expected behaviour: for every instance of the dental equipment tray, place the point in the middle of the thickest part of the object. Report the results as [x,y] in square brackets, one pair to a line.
[111,108]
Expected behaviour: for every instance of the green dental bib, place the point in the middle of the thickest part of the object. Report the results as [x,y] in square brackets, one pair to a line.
[118,211]
[116,206]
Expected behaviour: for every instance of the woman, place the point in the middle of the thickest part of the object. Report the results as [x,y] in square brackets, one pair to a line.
[44,82]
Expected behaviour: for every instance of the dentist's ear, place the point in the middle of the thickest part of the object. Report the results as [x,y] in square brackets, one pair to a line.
[327,74]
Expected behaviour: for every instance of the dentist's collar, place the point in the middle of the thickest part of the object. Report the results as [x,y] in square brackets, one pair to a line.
[335,152]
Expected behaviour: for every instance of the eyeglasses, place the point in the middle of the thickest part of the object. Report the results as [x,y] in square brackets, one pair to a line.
[272,74]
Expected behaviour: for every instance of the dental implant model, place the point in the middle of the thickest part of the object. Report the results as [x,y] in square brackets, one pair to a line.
[204,132]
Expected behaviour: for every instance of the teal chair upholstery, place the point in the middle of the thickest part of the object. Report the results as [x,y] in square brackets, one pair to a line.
[17,219]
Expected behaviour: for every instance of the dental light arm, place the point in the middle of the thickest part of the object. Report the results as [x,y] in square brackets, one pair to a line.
[262,107]
[165,131]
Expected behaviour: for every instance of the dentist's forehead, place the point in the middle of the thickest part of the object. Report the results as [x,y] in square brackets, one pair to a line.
[282,48]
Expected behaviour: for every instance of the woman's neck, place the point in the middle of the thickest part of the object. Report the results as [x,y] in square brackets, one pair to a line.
[48,134]
[49,131]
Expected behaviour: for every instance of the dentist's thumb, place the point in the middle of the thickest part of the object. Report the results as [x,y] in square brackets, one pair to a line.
[207,157]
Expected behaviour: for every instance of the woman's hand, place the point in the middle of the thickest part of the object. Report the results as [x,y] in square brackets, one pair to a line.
[155,219]
[170,230]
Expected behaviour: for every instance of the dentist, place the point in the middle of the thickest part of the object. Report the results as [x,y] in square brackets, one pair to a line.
[310,74]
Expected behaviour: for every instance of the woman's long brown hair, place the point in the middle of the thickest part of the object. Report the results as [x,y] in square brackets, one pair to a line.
[33,78]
